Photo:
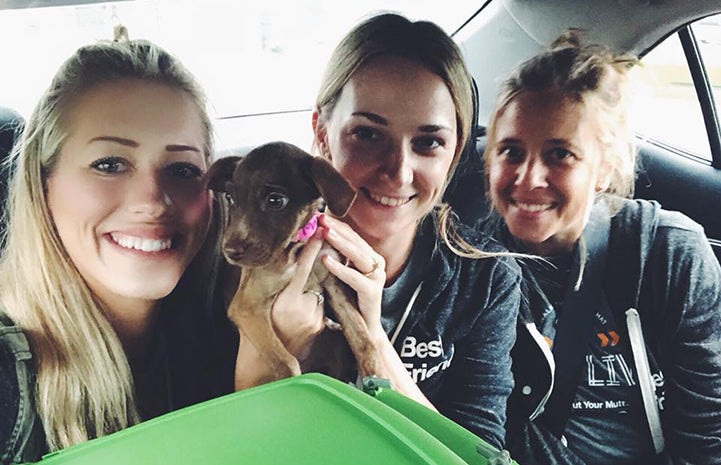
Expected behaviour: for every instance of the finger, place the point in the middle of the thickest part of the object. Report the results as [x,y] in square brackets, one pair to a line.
[342,228]
[305,262]
[352,277]
[346,241]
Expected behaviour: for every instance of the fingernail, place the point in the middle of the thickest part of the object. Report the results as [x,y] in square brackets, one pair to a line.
[319,234]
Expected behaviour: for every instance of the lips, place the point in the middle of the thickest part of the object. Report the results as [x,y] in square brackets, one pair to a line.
[388,201]
[141,243]
[533,207]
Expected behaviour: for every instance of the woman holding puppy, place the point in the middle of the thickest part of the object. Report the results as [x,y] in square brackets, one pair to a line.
[393,116]
[110,253]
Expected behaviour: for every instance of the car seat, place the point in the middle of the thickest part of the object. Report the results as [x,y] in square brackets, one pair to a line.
[466,192]
[11,124]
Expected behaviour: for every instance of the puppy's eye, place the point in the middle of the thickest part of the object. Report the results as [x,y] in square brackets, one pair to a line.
[275,201]
[229,199]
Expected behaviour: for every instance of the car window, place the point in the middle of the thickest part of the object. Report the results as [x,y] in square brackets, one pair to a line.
[708,37]
[253,58]
[667,107]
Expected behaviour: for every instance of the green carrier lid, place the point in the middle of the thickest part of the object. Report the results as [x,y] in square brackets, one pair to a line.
[307,419]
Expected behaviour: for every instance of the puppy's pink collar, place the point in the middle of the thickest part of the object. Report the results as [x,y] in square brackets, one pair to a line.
[308,230]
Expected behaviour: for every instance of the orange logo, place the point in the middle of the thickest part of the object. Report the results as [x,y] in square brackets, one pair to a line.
[611,338]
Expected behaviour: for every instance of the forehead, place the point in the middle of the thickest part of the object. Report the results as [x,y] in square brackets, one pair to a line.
[134,108]
[270,167]
[397,86]
[548,115]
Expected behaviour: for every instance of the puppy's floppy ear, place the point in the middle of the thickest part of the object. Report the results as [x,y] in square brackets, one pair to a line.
[333,187]
[220,172]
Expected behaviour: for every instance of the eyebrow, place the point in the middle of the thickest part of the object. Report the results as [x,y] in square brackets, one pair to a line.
[117,140]
[371,116]
[563,142]
[380,120]
[134,144]
[513,140]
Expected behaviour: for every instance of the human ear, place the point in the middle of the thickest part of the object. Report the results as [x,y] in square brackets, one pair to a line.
[603,180]
[320,134]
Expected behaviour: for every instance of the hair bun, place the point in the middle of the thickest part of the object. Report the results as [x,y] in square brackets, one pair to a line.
[569,39]
[120,34]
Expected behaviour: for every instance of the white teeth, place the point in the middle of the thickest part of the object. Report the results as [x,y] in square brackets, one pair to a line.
[390,201]
[533,207]
[139,243]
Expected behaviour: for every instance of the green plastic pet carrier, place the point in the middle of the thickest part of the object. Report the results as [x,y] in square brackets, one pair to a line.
[308,419]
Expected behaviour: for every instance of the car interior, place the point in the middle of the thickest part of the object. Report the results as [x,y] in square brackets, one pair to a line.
[494,36]
[261,62]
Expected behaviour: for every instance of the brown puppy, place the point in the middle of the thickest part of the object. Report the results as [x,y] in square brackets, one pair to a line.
[273,194]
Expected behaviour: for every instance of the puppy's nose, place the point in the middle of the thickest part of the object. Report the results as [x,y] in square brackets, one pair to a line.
[235,250]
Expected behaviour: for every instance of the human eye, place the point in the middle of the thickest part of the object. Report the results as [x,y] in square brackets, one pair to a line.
[511,153]
[110,165]
[427,144]
[185,170]
[365,133]
[559,155]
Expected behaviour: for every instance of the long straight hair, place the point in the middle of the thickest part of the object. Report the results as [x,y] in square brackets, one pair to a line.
[84,386]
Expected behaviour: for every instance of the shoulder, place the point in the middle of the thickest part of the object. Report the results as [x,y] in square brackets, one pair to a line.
[649,213]
[668,248]
[655,227]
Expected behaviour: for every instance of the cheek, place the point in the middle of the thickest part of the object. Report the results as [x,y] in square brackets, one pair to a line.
[349,160]
[195,210]
[494,179]
[439,171]
[72,198]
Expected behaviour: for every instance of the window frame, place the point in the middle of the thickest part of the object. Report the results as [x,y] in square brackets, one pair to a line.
[702,84]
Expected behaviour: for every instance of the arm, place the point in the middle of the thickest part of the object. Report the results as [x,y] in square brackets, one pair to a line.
[479,381]
[692,336]
[369,288]
[297,318]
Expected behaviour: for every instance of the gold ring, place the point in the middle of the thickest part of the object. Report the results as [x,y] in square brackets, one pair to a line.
[375,266]
[318,296]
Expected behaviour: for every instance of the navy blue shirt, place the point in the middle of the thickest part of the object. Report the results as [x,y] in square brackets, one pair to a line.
[456,340]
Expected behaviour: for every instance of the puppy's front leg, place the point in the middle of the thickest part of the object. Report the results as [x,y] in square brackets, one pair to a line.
[252,317]
[355,329]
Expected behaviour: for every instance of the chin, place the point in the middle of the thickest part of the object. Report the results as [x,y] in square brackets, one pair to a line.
[144,291]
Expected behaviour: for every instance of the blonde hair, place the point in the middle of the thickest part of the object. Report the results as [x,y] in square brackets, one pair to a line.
[428,45]
[84,385]
[587,73]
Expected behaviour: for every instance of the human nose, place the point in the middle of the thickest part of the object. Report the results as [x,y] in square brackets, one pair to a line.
[532,174]
[148,196]
[398,164]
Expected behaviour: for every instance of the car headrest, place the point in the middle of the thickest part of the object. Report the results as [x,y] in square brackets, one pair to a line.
[11,124]
[466,193]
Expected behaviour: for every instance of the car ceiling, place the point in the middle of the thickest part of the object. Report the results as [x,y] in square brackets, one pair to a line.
[18,4]
[507,32]
[629,25]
